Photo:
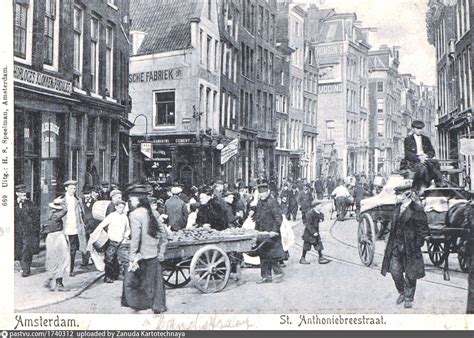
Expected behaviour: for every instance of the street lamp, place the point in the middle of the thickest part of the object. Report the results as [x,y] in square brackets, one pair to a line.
[146,122]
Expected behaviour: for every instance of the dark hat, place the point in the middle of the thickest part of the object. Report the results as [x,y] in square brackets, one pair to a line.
[286,184]
[205,189]
[153,200]
[252,184]
[227,193]
[87,189]
[263,187]
[70,182]
[137,189]
[105,184]
[115,185]
[194,189]
[219,182]
[402,188]
[418,124]
[316,202]
[241,185]
[20,188]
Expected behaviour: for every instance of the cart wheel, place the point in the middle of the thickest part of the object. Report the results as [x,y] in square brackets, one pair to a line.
[366,239]
[210,269]
[436,252]
[176,273]
[463,256]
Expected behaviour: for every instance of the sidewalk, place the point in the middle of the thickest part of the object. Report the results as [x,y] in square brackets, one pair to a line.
[30,292]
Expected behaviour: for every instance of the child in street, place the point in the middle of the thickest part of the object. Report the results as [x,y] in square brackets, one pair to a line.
[311,235]
[118,245]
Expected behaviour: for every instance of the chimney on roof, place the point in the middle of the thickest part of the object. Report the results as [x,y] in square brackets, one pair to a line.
[137,39]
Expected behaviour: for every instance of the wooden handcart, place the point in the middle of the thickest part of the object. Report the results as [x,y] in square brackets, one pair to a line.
[204,262]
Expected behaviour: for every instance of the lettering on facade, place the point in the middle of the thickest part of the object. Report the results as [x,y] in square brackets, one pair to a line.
[171,140]
[37,79]
[330,88]
[329,51]
[156,75]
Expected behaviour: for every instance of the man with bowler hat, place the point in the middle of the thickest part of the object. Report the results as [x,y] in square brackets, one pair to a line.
[403,257]
[27,228]
[419,157]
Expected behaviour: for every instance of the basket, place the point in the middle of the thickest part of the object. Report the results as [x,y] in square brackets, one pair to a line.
[101,242]
[99,208]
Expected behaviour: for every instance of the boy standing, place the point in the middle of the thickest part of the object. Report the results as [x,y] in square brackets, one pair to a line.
[311,235]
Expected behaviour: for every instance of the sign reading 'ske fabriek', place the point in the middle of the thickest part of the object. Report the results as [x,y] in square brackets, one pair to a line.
[156,75]
[41,80]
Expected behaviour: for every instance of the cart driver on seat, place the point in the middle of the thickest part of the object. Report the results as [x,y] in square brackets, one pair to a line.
[419,157]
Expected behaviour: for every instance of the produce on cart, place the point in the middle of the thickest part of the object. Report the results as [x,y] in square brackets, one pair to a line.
[201,255]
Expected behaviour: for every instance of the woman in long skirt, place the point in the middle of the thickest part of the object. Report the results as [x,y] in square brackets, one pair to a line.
[143,286]
[58,260]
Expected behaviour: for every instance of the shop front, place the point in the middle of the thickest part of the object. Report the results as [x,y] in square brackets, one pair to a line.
[165,159]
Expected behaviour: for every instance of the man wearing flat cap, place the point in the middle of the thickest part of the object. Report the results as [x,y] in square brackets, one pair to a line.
[27,228]
[403,257]
[311,237]
[74,227]
[176,209]
[104,193]
[419,157]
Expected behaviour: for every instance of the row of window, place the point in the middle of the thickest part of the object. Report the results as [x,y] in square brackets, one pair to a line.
[231,22]
[309,108]
[264,109]
[265,62]
[246,109]
[297,57]
[351,100]
[386,129]
[463,13]
[311,82]
[266,24]
[296,90]
[281,104]
[282,131]
[229,61]
[247,68]
[465,78]
[208,51]
[296,134]
[23,36]
[208,101]
[356,132]
[228,110]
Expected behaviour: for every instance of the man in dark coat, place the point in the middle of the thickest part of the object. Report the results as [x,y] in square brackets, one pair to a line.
[311,237]
[403,257]
[210,211]
[292,203]
[304,200]
[268,217]
[330,185]
[176,210]
[284,198]
[89,221]
[104,193]
[27,229]
[419,157]
[319,188]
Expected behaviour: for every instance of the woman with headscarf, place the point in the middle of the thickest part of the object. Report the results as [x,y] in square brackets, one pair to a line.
[143,284]
[58,260]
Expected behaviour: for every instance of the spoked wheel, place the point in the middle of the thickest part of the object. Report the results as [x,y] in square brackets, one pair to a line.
[463,256]
[176,273]
[366,239]
[436,252]
[210,269]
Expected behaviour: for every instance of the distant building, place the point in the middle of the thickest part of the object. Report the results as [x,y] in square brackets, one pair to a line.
[71,95]
[342,113]
[386,141]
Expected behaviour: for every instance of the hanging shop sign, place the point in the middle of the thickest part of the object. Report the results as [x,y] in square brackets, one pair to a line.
[40,80]
[146,149]
[229,151]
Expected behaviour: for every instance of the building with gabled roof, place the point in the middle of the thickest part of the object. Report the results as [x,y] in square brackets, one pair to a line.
[175,89]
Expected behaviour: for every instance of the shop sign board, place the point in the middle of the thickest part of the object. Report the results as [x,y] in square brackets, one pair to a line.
[330,88]
[40,80]
[466,146]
